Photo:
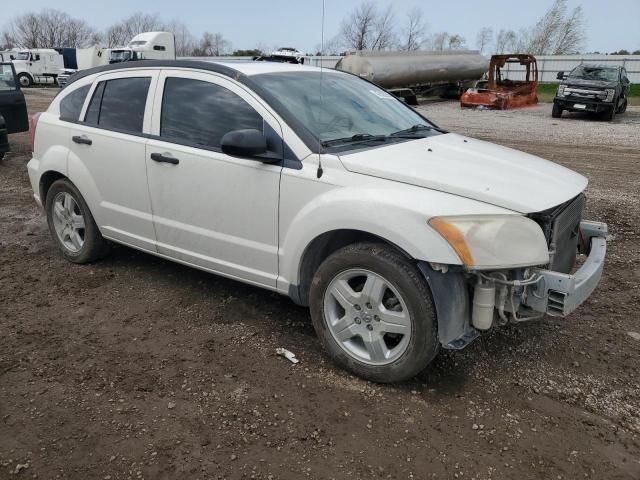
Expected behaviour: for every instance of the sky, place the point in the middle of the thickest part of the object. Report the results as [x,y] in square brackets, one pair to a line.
[610,25]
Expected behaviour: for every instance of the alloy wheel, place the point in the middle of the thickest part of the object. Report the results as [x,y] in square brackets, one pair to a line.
[68,221]
[367,317]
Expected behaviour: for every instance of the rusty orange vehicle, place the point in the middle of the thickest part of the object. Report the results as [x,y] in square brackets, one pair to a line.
[502,93]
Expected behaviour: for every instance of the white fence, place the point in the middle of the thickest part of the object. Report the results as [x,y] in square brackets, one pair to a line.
[548,65]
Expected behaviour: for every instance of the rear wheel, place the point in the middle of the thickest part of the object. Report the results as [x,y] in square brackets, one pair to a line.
[374,313]
[71,224]
[556,111]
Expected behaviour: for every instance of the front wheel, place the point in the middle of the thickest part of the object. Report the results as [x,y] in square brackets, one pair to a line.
[71,224]
[373,312]
[556,111]
[25,80]
[623,107]
[609,114]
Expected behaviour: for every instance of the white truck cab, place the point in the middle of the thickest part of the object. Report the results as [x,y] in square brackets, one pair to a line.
[37,66]
[146,46]
[401,237]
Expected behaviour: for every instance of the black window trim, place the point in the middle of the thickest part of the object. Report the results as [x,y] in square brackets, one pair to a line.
[70,120]
[288,161]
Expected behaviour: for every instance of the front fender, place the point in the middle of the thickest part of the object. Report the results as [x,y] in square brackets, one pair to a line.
[398,215]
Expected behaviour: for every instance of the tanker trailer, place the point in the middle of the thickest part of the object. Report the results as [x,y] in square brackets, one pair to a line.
[408,73]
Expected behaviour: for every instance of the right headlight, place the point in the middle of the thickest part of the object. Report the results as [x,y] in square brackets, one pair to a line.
[610,94]
[494,241]
[561,91]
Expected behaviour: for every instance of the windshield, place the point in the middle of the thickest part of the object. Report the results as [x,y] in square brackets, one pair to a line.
[7,81]
[584,72]
[120,56]
[22,56]
[349,107]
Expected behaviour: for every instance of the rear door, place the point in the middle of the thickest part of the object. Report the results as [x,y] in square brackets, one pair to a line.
[13,107]
[109,143]
[211,209]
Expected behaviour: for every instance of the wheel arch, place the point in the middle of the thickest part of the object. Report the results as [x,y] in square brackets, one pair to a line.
[321,247]
[46,180]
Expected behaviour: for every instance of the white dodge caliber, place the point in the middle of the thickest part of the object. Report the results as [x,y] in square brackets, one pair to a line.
[402,238]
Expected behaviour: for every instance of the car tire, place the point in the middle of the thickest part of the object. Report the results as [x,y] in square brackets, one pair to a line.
[390,328]
[556,111]
[609,114]
[623,107]
[25,80]
[72,225]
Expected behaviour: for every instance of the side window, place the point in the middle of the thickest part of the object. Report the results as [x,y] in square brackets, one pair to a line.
[71,105]
[119,104]
[201,113]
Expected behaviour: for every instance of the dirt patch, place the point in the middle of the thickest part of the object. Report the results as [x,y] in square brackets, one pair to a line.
[136,367]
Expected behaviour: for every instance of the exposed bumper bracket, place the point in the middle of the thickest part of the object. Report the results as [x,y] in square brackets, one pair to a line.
[559,294]
[451,299]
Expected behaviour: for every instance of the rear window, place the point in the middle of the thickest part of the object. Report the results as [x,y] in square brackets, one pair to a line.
[71,105]
[119,104]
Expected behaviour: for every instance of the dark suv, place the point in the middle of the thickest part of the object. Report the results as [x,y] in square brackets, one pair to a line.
[598,89]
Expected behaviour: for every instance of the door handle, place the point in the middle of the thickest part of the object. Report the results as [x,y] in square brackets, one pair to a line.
[164,158]
[82,139]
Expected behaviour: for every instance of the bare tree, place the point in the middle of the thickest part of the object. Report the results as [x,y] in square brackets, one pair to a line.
[333,46]
[183,37]
[367,28]
[558,32]
[414,32]
[484,39]
[7,42]
[456,42]
[358,28]
[49,28]
[384,36]
[438,41]
[506,41]
[121,33]
[212,45]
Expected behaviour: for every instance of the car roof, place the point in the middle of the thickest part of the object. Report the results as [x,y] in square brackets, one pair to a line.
[234,69]
[256,68]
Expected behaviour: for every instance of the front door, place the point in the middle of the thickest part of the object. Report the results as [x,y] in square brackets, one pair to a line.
[210,209]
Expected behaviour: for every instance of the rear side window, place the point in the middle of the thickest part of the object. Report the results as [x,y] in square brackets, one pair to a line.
[71,105]
[200,113]
[119,104]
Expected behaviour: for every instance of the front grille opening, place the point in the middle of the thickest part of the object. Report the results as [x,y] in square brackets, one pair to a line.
[560,226]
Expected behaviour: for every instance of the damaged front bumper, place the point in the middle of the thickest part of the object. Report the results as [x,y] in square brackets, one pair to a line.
[467,303]
[559,294]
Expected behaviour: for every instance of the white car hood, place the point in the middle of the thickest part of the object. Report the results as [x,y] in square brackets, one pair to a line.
[471,168]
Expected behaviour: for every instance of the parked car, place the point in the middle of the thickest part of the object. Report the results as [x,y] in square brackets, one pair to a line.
[401,237]
[13,108]
[597,89]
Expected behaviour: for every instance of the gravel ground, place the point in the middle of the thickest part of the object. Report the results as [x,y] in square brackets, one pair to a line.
[136,367]
[536,124]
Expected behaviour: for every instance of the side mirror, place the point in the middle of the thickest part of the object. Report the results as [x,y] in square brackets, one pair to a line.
[625,80]
[245,143]
[560,76]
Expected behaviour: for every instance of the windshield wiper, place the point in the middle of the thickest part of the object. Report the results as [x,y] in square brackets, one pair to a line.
[409,132]
[358,137]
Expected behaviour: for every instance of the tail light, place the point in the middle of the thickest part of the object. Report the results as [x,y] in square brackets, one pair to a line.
[33,123]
